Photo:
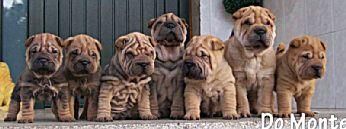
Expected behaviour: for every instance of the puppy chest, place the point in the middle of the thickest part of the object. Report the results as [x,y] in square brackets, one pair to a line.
[80,87]
[211,101]
[126,98]
[167,82]
[253,73]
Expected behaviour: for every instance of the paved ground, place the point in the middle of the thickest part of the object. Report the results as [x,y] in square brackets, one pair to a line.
[44,119]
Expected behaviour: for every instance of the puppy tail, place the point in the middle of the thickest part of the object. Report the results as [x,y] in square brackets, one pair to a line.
[280,50]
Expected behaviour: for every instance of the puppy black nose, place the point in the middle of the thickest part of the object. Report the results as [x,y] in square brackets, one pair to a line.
[170,25]
[316,67]
[143,64]
[43,60]
[189,64]
[260,30]
[84,62]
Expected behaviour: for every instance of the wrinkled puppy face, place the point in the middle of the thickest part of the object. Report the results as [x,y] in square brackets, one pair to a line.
[136,54]
[307,56]
[168,30]
[82,55]
[254,28]
[44,54]
[202,55]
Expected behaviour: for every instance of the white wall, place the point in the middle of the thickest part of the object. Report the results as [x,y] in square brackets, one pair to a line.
[214,19]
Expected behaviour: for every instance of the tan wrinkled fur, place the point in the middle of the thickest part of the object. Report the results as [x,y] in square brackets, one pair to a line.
[216,94]
[167,86]
[293,77]
[253,68]
[123,95]
[83,48]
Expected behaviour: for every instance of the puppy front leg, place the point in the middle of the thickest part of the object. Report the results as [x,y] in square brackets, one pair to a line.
[284,103]
[177,108]
[14,105]
[242,101]
[192,103]
[154,107]
[229,104]
[144,105]
[304,103]
[92,106]
[63,105]
[265,95]
[104,103]
[26,95]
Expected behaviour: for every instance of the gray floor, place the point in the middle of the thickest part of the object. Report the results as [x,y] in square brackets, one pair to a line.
[44,119]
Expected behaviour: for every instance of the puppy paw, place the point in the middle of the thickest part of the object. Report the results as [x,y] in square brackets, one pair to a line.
[156,113]
[10,119]
[26,120]
[177,115]
[263,110]
[90,118]
[66,119]
[283,114]
[192,116]
[230,115]
[148,116]
[104,119]
[244,113]
[307,113]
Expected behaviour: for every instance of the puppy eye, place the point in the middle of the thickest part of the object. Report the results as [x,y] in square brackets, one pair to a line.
[267,22]
[74,52]
[93,54]
[159,22]
[34,50]
[306,56]
[130,55]
[204,55]
[54,50]
[247,22]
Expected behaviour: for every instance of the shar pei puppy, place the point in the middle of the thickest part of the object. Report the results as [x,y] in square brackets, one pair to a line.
[210,88]
[124,90]
[83,71]
[297,71]
[42,79]
[167,88]
[250,53]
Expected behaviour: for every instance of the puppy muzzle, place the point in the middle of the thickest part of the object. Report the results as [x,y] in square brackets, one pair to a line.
[192,71]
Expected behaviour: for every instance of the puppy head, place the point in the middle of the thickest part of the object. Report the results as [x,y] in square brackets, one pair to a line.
[202,56]
[168,30]
[136,54]
[82,55]
[254,27]
[44,54]
[307,57]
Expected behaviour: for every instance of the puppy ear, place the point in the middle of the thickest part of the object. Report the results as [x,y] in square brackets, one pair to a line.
[238,14]
[217,44]
[151,22]
[270,14]
[324,46]
[121,42]
[29,41]
[98,45]
[184,22]
[68,42]
[280,49]
[60,41]
[297,42]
